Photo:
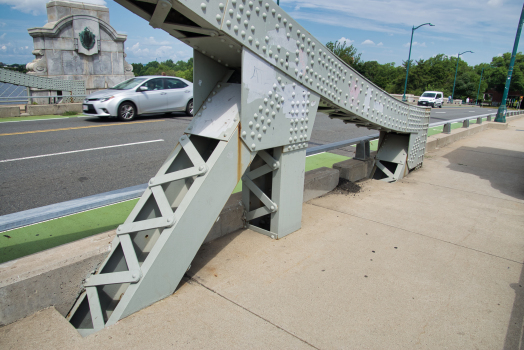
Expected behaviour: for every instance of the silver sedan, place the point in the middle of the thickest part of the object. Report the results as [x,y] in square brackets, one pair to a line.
[141,95]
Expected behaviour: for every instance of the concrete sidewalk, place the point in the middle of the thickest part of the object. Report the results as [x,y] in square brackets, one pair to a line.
[431,262]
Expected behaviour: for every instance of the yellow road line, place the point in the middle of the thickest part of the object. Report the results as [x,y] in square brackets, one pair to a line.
[78,127]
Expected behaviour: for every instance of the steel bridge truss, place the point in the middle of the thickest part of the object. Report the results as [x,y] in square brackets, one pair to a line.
[75,87]
[259,80]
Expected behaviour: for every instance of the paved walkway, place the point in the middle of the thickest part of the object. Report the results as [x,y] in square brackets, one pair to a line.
[431,262]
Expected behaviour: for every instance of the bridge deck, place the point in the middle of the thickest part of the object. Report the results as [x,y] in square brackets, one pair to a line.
[435,278]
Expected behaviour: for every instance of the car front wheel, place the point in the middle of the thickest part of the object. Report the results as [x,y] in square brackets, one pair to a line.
[189,108]
[126,112]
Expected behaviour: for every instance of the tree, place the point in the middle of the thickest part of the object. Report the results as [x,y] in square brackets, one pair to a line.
[180,69]
[496,77]
[347,54]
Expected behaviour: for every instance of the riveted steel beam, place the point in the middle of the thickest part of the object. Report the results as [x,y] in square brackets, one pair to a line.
[259,80]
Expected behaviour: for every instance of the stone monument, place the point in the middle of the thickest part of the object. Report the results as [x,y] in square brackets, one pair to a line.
[78,43]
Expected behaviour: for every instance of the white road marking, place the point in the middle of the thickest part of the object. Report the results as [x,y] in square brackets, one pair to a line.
[440,112]
[80,150]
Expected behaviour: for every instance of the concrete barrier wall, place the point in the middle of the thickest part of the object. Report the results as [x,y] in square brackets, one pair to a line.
[9,111]
[441,140]
[54,109]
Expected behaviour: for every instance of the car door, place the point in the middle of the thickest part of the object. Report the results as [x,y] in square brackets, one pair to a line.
[178,93]
[153,99]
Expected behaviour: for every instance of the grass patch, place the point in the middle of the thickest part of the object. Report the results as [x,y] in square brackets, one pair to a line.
[439,129]
[313,162]
[68,113]
[32,117]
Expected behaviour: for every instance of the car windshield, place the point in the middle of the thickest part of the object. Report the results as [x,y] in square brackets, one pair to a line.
[128,84]
[428,94]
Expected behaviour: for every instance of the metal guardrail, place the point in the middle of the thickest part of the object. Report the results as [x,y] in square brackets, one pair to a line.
[28,99]
[54,211]
[31,97]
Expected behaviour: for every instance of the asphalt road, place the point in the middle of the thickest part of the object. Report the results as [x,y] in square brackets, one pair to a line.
[50,161]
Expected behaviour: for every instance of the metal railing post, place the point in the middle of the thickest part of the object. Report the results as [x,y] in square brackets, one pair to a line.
[479,120]
[447,128]
[465,123]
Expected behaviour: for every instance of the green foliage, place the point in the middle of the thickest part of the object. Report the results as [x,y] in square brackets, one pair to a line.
[179,69]
[16,67]
[436,73]
[67,113]
[497,76]
[347,54]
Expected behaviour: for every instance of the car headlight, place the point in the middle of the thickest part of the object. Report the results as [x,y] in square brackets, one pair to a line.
[106,99]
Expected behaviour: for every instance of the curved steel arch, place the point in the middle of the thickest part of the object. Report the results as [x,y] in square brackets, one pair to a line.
[259,79]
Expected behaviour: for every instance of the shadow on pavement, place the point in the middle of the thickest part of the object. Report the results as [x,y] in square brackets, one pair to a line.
[207,252]
[503,168]
[515,334]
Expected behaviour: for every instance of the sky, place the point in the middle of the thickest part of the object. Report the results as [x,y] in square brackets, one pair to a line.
[379,29]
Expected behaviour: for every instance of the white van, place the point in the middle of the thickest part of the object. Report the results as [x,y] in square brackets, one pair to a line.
[431,98]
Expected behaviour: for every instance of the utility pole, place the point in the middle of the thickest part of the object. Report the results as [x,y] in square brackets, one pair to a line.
[404,99]
[456,70]
[501,113]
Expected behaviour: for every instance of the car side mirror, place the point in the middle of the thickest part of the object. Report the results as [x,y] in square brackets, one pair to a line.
[143,88]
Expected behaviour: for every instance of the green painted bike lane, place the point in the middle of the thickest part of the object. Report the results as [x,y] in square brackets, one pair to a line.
[27,240]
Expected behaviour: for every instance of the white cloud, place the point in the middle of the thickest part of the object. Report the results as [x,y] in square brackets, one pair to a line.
[380,44]
[152,41]
[164,51]
[3,47]
[37,7]
[398,17]
[368,42]
[495,3]
[137,51]
[415,44]
[3,35]
[345,41]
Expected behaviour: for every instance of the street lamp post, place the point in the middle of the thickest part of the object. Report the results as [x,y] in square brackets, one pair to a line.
[501,113]
[456,70]
[478,91]
[409,57]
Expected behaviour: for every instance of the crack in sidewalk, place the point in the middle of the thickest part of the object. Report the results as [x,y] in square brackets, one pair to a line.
[192,279]
[418,233]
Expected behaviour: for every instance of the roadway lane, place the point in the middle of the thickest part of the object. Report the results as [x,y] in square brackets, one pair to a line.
[31,183]
[127,154]
[446,113]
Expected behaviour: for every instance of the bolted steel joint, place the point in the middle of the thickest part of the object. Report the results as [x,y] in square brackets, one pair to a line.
[170,221]
[202,169]
[136,275]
